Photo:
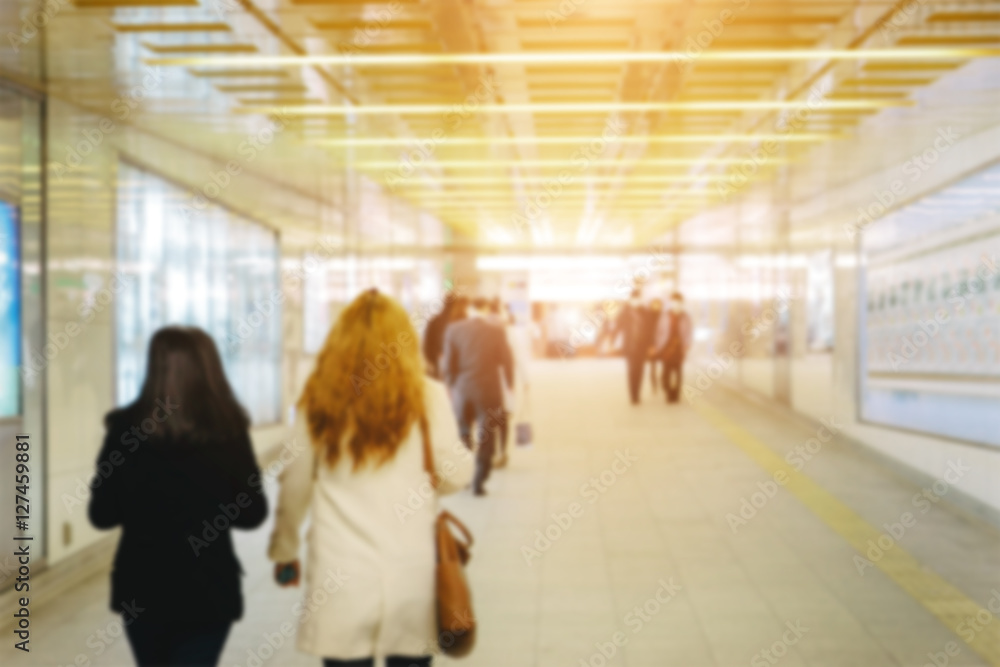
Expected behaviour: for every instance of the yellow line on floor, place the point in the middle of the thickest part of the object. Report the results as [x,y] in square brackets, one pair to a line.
[943,600]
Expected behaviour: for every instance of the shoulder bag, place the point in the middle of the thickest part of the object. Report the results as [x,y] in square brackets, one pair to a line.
[456,620]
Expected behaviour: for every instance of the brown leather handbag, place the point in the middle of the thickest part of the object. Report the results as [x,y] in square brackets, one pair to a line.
[456,620]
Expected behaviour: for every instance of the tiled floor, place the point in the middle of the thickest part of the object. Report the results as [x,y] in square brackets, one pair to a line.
[657,521]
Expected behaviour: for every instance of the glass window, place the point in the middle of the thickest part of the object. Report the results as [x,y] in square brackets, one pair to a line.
[316,309]
[820,302]
[215,270]
[10,313]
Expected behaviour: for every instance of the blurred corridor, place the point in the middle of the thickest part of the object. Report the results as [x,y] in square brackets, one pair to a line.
[662,518]
[735,261]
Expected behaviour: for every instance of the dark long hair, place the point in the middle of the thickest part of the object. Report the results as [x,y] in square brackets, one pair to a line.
[185,379]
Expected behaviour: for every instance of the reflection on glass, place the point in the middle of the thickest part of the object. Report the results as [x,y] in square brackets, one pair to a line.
[215,270]
[10,313]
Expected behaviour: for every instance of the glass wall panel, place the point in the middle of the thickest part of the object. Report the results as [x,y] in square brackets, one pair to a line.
[22,24]
[10,312]
[215,270]
[24,352]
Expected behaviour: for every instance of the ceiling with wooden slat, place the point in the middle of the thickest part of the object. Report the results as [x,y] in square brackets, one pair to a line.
[484,145]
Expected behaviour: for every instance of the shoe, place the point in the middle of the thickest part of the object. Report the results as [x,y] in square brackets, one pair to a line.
[479,492]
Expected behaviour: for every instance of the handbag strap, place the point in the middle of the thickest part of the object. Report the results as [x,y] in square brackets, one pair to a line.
[446,516]
[425,438]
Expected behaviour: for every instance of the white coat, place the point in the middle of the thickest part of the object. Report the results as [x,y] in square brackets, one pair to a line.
[369,572]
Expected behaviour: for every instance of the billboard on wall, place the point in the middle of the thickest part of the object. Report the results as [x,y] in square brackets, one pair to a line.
[10,312]
[930,325]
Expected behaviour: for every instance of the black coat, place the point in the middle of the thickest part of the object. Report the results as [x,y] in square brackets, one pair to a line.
[161,492]
[434,341]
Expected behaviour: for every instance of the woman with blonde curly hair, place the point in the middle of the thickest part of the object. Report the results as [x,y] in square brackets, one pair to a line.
[369,574]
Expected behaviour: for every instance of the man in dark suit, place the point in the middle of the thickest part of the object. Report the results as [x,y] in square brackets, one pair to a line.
[673,340]
[475,351]
[633,325]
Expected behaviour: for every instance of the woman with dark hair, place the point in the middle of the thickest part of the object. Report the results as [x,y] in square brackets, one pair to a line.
[176,472]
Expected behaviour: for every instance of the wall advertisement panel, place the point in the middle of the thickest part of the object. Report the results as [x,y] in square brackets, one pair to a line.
[10,312]
[930,333]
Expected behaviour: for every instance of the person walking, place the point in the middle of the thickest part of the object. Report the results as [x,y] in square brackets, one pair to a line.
[434,334]
[475,354]
[371,553]
[514,396]
[673,340]
[177,472]
[632,324]
[654,313]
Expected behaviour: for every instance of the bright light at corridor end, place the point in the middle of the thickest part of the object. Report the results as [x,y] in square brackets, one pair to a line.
[546,263]
[473,164]
[568,107]
[576,58]
[802,137]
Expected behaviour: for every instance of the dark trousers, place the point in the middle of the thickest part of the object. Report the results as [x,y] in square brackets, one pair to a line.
[391,661]
[635,363]
[504,433]
[173,644]
[673,369]
[489,421]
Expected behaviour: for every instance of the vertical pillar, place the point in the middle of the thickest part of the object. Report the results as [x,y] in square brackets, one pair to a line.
[462,272]
[781,282]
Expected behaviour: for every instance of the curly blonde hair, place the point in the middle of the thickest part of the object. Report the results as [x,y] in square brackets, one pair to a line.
[367,385]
